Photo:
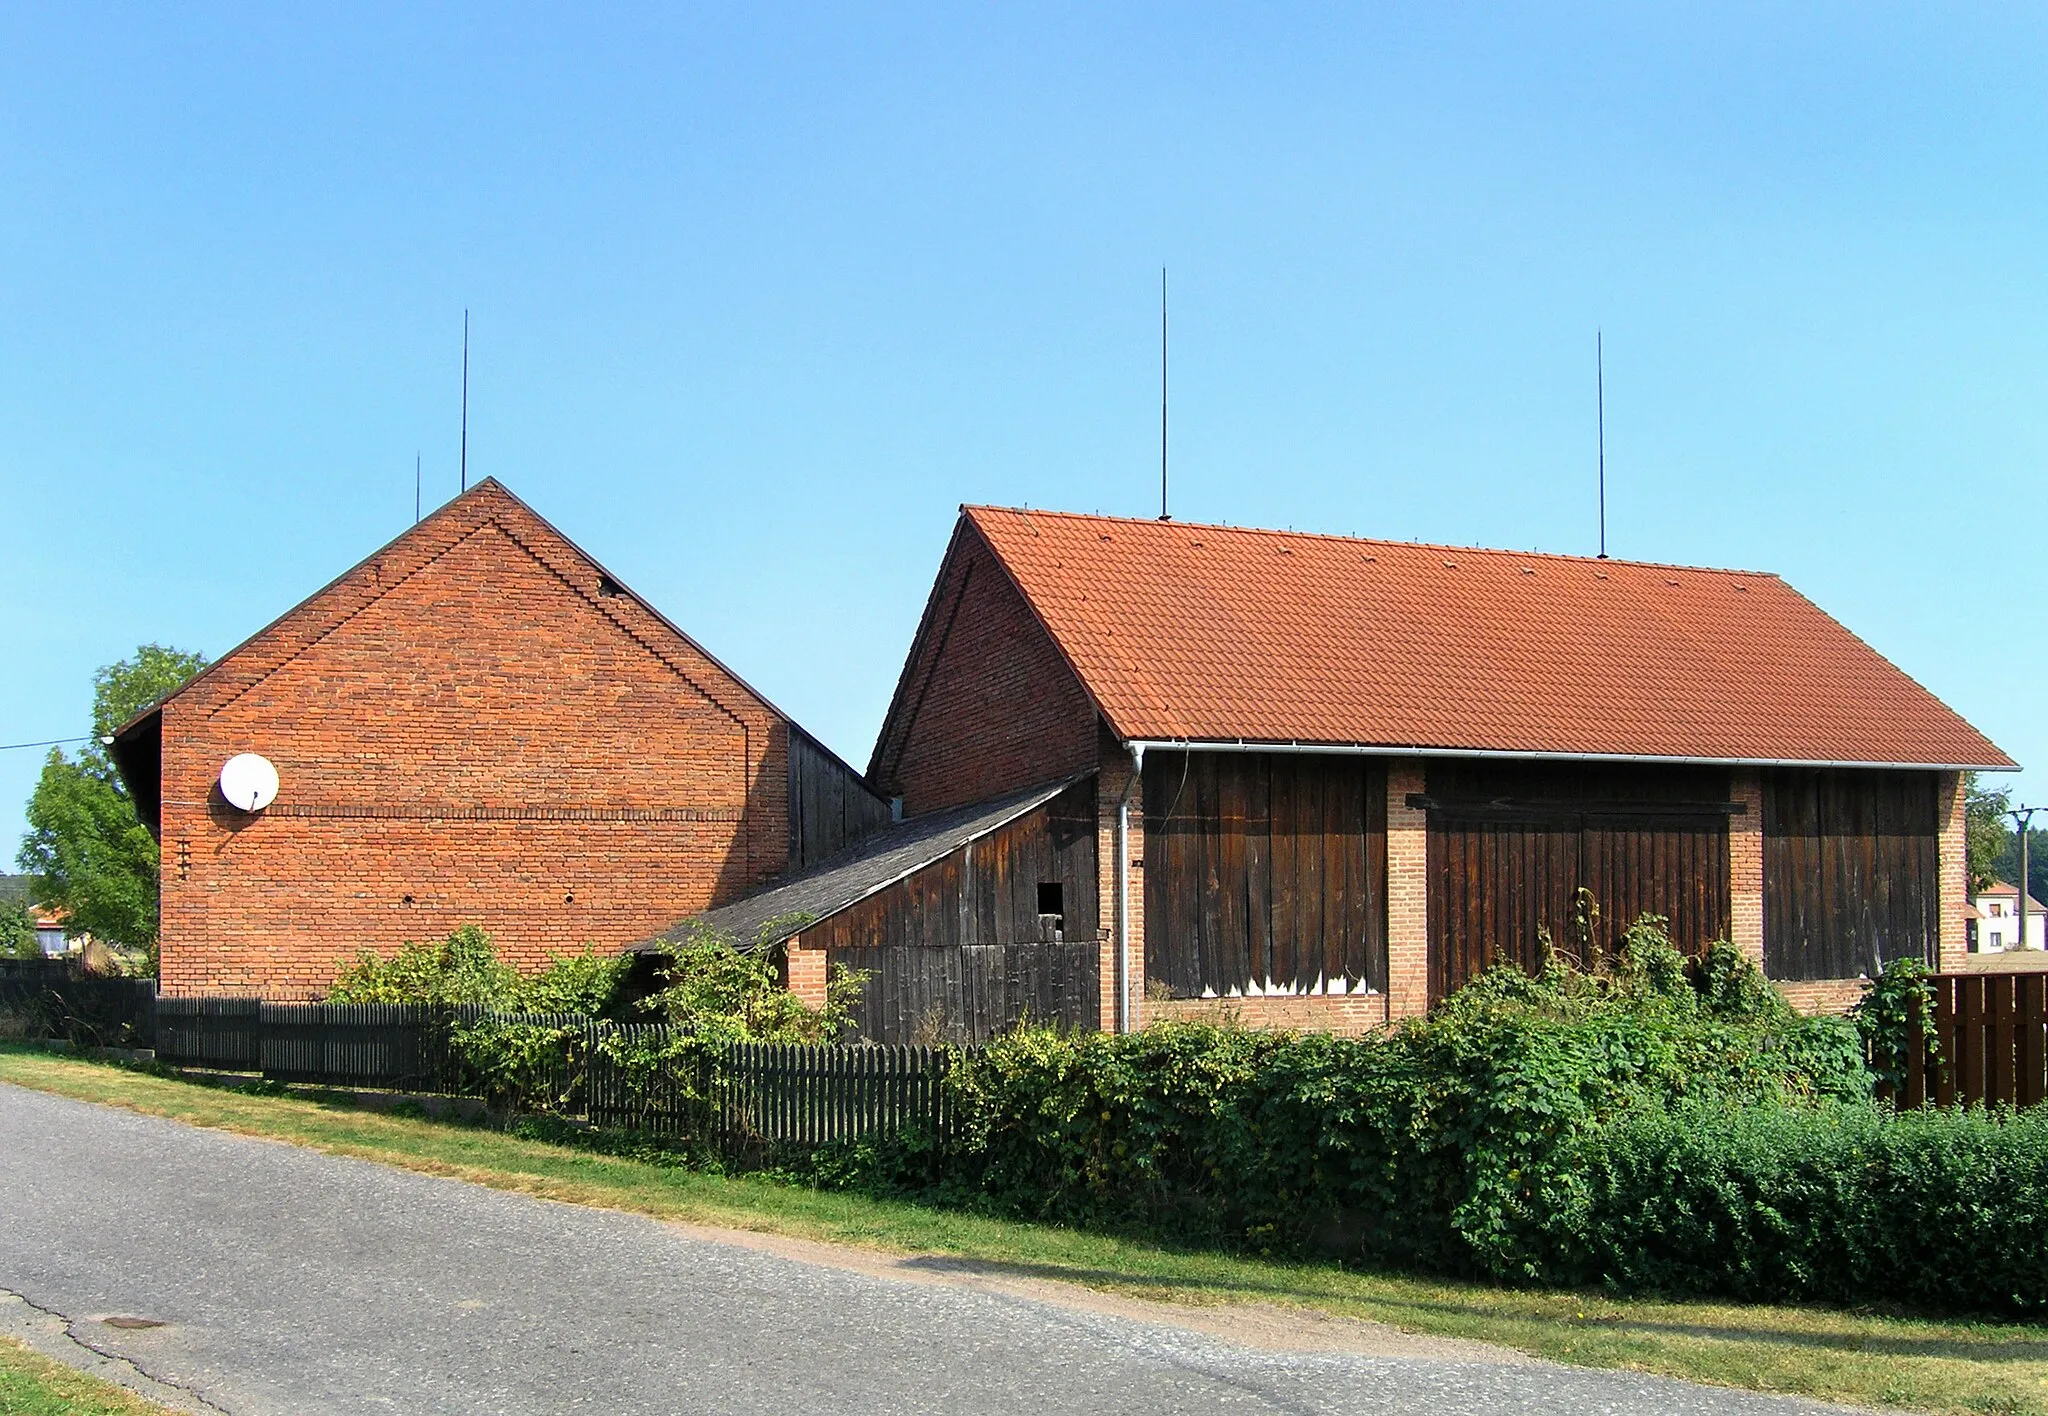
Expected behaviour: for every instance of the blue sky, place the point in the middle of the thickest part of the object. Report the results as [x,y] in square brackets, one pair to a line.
[761,295]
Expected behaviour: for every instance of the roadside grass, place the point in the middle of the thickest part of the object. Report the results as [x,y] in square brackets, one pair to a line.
[1866,1358]
[34,1385]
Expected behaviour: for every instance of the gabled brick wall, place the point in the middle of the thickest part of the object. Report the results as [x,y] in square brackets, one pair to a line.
[474,726]
[987,704]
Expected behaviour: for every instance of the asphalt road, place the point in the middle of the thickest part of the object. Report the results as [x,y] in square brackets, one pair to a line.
[293,1282]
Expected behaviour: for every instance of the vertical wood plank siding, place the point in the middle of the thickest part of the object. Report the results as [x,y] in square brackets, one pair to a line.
[1510,845]
[959,952]
[1265,872]
[1851,871]
[829,806]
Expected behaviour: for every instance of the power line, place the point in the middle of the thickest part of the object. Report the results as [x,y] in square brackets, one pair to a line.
[48,742]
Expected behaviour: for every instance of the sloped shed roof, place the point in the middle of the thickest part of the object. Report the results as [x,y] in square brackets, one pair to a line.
[874,864]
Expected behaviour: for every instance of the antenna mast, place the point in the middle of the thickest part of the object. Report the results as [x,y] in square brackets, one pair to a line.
[1162,395]
[415,489]
[465,400]
[1600,396]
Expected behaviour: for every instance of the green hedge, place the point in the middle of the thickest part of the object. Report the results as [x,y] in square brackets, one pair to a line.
[1449,1142]
[1844,1204]
[1560,1130]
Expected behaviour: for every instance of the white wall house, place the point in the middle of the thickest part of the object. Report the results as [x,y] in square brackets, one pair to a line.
[1998,925]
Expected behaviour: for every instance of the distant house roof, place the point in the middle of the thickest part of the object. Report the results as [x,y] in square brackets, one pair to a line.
[2005,889]
[1181,631]
[874,864]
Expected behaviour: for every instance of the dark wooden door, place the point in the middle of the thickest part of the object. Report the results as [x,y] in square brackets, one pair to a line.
[1510,848]
[1852,871]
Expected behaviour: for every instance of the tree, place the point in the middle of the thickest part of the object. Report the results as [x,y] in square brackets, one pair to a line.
[18,929]
[88,852]
[1987,838]
[2007,866]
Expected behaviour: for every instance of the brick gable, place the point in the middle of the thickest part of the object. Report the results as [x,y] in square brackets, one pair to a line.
[475,725]
[986,704]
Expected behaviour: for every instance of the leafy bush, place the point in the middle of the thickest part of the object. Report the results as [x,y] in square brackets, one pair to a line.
[518,1060]
[1667,1126]
[463,968]
[1455,1141]
[1833,1202]
[526,1052]
[1895,1016]
[18,930]
[715,991]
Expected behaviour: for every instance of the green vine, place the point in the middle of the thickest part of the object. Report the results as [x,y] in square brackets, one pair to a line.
[1895,1016]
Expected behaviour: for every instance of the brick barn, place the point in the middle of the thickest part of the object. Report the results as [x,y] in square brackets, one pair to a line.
[476,725]
[1153,769]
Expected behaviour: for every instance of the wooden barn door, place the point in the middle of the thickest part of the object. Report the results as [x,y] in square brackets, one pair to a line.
[1509,849]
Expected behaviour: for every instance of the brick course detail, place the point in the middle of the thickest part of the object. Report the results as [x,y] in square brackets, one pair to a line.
[1746,866]
[473,726]
[1407,894]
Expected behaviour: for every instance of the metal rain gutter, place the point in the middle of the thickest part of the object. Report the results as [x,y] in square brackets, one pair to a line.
[1138,746]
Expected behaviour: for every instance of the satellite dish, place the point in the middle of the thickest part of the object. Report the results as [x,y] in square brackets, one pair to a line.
[248,782]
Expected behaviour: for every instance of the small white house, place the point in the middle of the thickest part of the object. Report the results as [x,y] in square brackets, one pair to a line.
[1998,923]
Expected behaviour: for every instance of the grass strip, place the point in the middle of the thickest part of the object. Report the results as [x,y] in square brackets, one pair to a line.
[34,1385]
[1861,1357]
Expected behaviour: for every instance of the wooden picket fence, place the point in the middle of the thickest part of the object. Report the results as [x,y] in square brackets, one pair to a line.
[745,1095]
[1990,1043]
[791,1095]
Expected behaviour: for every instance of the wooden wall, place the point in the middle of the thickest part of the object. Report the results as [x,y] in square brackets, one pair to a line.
[829,806]
[1851,871]
[959,951]
[1510,844]
[1264,868]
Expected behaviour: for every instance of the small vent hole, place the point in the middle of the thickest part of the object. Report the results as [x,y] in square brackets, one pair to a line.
[608,587]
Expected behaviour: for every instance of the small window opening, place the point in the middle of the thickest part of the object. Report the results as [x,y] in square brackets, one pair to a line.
[1051,898]
[608,587]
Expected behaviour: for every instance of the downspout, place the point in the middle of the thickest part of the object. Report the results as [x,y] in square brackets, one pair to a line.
[1123,889]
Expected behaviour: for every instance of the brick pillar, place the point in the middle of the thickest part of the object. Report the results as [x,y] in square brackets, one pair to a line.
[806,973]
[1746,865]
[1407,894]
[1110,783]
[1953,870]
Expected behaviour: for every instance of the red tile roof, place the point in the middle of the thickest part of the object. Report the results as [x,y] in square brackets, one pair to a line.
[1207,633]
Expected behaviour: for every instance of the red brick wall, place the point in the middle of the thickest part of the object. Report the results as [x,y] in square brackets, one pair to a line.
[1350,1016]
[987,704]
[469,728]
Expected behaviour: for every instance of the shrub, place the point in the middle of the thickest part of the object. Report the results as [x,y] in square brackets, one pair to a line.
[1895,1015]
[463,968]
[1832,1202]
[717,991]
[516,1060]
[1455,1141]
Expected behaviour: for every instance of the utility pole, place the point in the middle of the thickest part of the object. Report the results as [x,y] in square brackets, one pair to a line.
[2022,817]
